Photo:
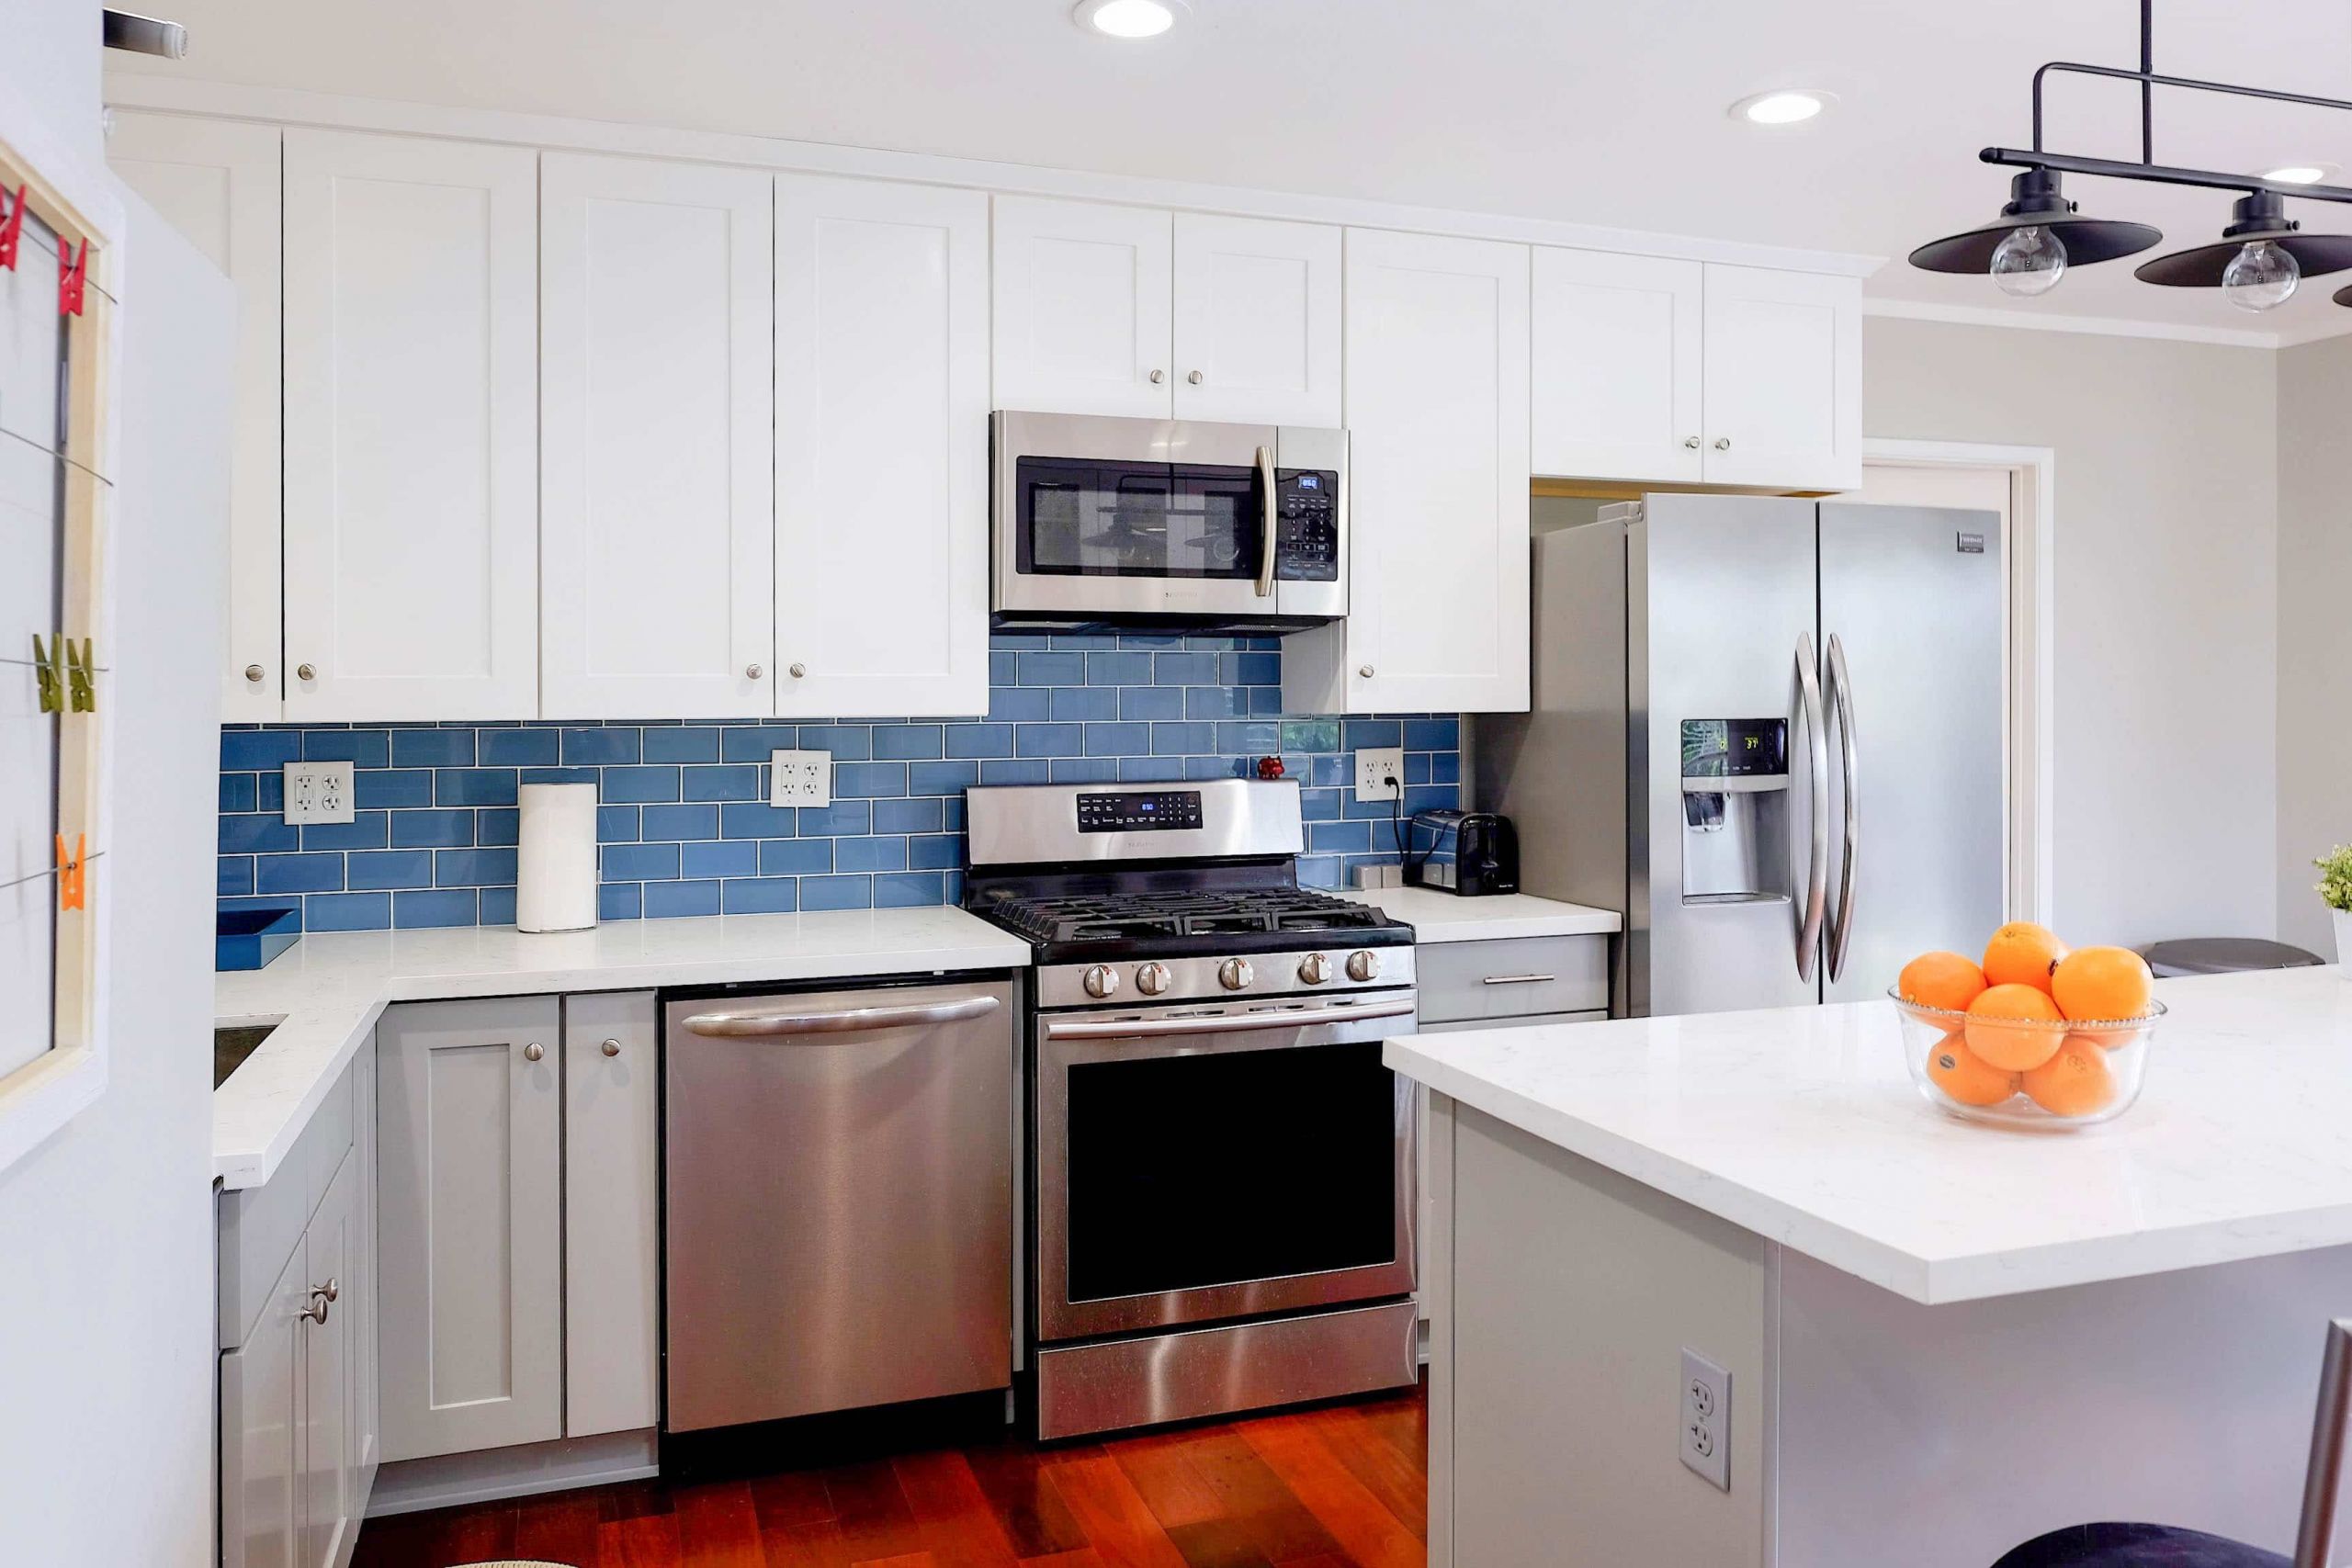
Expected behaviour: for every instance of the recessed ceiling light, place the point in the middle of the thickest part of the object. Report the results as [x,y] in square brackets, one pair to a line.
[1784,106]
[1130,18]
[2299,174]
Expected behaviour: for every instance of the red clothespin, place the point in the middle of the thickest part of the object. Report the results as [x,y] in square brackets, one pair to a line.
[70,871]
[13,229]
[72,271]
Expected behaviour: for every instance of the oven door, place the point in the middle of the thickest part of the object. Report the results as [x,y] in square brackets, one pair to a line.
[1200,1164]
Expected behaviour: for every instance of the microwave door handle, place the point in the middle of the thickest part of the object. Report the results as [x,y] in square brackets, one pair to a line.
[1266,522]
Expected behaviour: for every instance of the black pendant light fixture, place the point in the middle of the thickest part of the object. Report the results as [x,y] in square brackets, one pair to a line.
[2040,235]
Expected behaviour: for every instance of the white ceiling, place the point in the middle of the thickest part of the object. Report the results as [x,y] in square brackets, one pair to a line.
[1606,112]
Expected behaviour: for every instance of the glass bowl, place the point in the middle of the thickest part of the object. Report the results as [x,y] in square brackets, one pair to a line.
[2091,1071]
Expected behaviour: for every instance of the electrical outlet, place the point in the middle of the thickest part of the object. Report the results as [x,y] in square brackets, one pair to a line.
[1375,767]
[1705,1406]
[800,778]
[317,792]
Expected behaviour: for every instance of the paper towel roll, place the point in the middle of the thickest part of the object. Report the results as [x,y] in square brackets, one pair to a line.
[556,863]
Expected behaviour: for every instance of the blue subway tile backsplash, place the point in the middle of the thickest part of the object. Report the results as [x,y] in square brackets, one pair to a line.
[684,823]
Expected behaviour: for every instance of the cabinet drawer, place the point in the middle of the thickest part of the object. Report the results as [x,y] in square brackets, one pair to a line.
[1512,978]
[260,1226]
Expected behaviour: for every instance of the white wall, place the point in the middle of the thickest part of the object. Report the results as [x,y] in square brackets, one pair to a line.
[2314,627]
[105,1276]
[2168,590]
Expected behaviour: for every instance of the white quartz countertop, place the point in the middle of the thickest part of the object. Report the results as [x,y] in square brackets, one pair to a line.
[1801,1125]
[330,988]
[1436,915]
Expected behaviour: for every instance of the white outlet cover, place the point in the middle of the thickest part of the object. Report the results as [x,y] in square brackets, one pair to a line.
[318,792]
[800,778]
[1375,764]
[1705,1419]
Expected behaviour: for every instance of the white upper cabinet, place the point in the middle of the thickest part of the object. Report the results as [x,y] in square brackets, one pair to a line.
[412,417]
[216,181]
[1617,366]
[656,411]
[1257,321]
[1437,412]
[1083,308]
[881,444]
[1785,379]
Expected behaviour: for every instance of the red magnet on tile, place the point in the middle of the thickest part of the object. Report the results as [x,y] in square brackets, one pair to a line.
[70,870]
[13,229]
[1269,767]
[72,272]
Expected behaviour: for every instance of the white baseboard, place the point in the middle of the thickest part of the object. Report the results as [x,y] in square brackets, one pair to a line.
[448,1480]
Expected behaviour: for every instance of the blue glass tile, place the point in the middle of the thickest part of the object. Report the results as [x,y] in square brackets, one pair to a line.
[433,830]
[1362,732]
[1320,804]
[1150,639]
[1211,643]
[1052,669]
[1266,701]
[678,900]
[1311,734]
[233,875]
[1243,737]
[617,824]
[1433,734]
[1185,670]
[1445,767]
[1017,642]
[1319,870]
[1120,668]
[1084,770]
[1082,702]
[1151,770]
[979,740]
[955,813]
[1084,640]
[674,822]
[496,907]
[1014,771]
[908,890]
[760,895]
[640,863]
[870,854]
[858,781]
[732,781]
[836,892]
[270,791]
[237,792]
[1216,701]
[751,744]
[922,815]
[472,868]
[390,868]
[734,857]
[298,873]
[603,747]
[1002,667]
[847,742]
[365,830]
[793,857]
[679,744]
[499,826]
[747,819]
[639,785]
[1216,767]
[474,786]
[1178,740]
[1416,767]
[373,788]
[1350,806]
[255,750]
[347,912]
[936,852]
[1431,797]
[1334,770]
[1050,741]
[941,778]
[1338,838]
[521,747]
[1253,668]
[560,775]
[952,887]
[903,742]
[1133,739]
[1152,701]
[842,818]
[360,747]
[1020,704]
[620,901]
[435,748]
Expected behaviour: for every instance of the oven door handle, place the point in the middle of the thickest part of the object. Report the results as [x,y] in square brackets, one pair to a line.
[841,1020]
[1221,1023]
[1269,522]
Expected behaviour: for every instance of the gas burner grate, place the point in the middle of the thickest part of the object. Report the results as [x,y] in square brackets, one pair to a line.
[1133,916]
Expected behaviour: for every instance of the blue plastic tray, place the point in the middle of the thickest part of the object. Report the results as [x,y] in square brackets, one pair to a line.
[249,939]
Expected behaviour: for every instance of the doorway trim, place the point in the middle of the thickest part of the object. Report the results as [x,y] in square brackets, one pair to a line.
[2034,481]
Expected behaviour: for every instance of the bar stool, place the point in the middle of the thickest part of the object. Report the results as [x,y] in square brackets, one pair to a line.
[2164,1546]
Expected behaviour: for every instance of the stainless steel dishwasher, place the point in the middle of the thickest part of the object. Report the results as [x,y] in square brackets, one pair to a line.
[838,1221]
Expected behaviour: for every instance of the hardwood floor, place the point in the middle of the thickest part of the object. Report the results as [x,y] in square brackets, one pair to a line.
[1337,1487]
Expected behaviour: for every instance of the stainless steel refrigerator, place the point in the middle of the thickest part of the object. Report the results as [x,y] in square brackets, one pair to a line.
[1770,733]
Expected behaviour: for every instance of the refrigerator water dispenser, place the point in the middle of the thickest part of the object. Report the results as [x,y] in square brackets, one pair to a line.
[1736,811]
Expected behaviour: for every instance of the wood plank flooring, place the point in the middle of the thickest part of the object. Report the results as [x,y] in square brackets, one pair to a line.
[1337,1487]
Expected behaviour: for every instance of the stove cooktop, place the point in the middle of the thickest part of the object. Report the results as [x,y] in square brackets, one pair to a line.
[1188,921]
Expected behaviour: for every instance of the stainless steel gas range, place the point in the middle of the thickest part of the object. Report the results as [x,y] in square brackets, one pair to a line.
[1221,1172]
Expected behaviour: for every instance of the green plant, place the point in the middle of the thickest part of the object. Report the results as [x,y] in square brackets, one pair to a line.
[2335,877]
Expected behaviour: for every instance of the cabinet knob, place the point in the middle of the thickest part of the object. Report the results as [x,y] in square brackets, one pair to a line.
[254,672]
[1365,670]
[798,670]
[1194,377]
[751,672]
[1692,442]
[611,1047]
[533,1052]
[320,1304]
[1157,376]
[331,1290]
[1723,443]
[306,672]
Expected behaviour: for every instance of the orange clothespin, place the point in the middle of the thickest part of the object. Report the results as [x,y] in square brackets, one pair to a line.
[70,871]
[13,229]
[72,271]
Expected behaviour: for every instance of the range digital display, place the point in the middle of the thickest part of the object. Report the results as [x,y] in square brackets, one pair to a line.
[1140,812]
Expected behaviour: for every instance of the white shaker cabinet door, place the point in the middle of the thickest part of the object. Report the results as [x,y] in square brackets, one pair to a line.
[470,1223]
[412,417]
[656,408]
[331,1500]
[1784,380]
[1257,321]
[217,182]
[1083,308]
[881,448]
[261,1432]
[612,1213]
[1616,368]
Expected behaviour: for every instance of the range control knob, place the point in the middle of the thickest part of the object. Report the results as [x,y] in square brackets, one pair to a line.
[1235,974]
[1100,981]
[1362,964]
[1152,979]
[1315,969]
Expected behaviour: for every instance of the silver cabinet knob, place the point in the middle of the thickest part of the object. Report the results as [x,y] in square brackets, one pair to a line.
[611,1047]
[254,672]
[1723,443]
[1235,974]
[1362,964]
[1194,377]
[1100,981]
[797,670]
[306,672]
[320,1304]
[752,671]
[533,1052]
[331,1290]
[1692,442]
[1316,969]
[1152,979]
[1157,376]
[1365,670]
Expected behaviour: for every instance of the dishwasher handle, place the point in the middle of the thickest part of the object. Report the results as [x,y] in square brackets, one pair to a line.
[837,1021]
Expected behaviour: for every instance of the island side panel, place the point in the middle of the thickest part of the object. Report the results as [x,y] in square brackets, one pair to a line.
[1943,1436]
[1573,1293]
[1437,1304]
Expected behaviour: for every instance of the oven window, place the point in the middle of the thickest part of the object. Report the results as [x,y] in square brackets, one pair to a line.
[1091,519]
[1187,1171]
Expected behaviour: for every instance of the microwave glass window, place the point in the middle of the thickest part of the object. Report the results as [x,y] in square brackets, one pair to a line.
[1081,519]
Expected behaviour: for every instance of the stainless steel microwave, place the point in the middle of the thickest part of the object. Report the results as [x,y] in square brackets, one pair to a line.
[1118,522]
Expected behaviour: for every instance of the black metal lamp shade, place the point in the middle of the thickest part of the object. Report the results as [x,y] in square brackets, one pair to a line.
[2035,201]
[2260,216]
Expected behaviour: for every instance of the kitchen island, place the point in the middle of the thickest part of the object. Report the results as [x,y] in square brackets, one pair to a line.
[1941,1339]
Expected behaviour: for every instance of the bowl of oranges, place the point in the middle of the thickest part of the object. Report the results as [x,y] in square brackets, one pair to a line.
[2036,1035]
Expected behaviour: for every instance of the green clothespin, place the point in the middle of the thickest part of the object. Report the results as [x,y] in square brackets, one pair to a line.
[81,673]
[52,685]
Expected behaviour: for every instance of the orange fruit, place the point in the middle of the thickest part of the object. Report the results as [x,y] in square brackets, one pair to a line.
[2075,1081]
[2102,983]
[1962,1074]
[1943,980]
[2023,954]
[2003,1045]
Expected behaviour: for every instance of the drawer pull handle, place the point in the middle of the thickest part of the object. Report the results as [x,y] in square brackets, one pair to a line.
[1520,979]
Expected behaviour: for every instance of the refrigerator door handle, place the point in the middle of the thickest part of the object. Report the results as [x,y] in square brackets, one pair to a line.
[1841,701]
[1816,887]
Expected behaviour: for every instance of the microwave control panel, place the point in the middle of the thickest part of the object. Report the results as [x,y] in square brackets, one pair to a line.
[1307,541]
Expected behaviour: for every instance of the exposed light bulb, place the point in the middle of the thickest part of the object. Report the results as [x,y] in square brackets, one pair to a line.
[2261,276]
[2029,261]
